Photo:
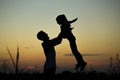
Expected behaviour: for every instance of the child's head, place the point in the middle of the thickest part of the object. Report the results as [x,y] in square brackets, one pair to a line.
[61,19]
[42,36]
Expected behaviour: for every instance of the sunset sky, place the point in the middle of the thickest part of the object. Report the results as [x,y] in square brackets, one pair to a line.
[97,30]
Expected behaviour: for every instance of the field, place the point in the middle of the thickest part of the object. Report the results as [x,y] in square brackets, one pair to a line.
[65,75]
[112,74]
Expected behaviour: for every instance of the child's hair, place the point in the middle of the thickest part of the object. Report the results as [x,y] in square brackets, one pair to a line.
[61,19]
[41,35]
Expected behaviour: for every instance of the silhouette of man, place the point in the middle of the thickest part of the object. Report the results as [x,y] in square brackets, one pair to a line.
[66,29]
[50,54]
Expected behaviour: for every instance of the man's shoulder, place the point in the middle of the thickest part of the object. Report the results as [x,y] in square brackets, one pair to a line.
[46,42]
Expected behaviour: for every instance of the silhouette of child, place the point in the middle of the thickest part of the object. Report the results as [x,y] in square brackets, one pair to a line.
[50,54]
[66,29]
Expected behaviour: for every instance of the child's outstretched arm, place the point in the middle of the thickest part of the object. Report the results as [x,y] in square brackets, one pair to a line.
[73,20]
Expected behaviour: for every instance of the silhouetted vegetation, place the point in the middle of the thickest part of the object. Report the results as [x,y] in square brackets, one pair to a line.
[22,74]
[65,75]
[114,65]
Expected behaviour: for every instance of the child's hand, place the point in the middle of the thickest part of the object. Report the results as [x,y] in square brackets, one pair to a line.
[76,19]
[73,20]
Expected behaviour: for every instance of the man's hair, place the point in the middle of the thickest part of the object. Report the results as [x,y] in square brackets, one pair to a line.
[40,35]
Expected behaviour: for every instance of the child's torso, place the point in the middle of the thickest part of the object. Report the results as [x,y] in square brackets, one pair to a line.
[66,30]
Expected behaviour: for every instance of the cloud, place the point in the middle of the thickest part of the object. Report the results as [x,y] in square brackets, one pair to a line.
[29,47]
[96,54]
[3,61]
[68,54]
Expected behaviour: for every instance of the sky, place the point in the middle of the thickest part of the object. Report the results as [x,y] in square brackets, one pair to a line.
[96,30]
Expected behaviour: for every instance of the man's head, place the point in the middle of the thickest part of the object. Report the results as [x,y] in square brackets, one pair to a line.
[42,36]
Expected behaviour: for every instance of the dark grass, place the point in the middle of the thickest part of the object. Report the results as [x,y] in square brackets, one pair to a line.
[113,74]
[66,75]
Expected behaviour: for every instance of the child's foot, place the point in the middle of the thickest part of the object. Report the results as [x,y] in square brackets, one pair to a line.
[81,66]
[77,66]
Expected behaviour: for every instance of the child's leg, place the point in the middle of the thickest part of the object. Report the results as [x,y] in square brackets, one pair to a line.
[76,53]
